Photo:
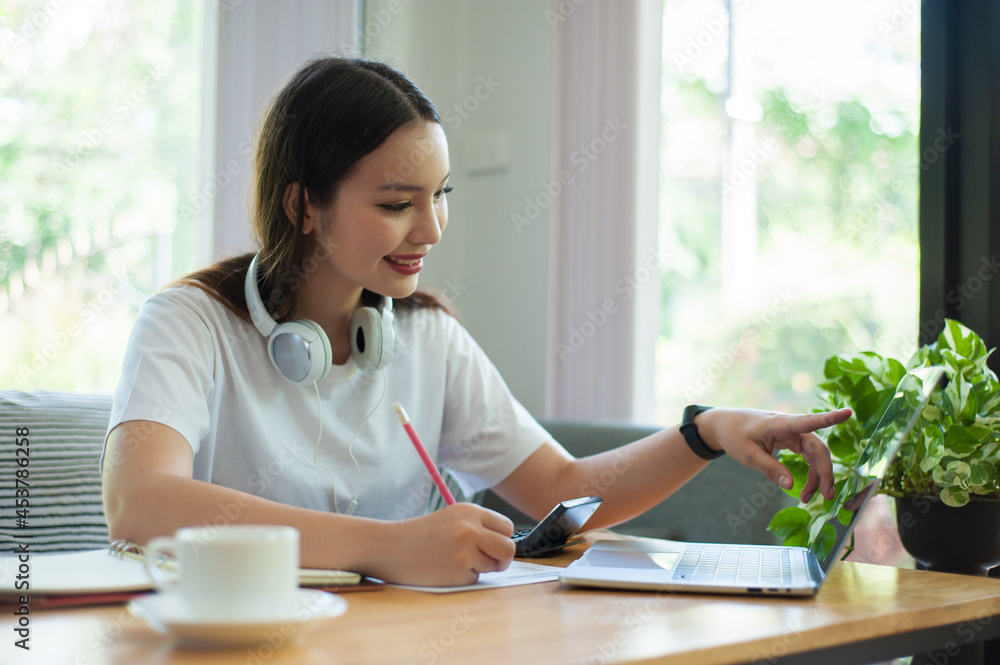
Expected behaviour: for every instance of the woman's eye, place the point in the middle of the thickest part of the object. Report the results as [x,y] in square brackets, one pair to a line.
[396,207]
[443,191]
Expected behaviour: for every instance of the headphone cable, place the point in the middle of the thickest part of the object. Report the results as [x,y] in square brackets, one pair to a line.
[350,448]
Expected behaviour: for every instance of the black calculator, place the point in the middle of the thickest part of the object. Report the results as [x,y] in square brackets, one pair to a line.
[553,533]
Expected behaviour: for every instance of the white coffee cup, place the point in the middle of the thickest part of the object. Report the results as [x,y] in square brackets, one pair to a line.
[235,573]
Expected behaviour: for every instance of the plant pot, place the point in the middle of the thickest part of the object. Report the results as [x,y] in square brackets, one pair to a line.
[951,540]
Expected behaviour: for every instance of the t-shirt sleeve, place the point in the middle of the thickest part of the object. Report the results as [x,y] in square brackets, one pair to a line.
[167,373]
[486,433]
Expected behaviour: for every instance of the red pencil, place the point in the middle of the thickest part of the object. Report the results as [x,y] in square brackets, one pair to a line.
[428,462]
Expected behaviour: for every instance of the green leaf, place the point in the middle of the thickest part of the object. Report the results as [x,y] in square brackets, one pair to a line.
[831,368]
[957,337]
[959,401]
[788,520]
[960,441]
[862,389]
[895,371]
[981,473]
[859,365]
[835,387]
[845,516]
[841,446]
[934,440]
[824,541]
[954,473]
[871,407]
[983,433]
[931,413]
[929,463]
[943,477]
[961,470]
[955,497]
[799,538]
[800,473]
[961,366]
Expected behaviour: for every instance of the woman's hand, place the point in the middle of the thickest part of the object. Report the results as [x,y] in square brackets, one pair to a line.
[449,547]
[751,437]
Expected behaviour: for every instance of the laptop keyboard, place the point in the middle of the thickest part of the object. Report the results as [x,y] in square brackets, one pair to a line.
[742,564]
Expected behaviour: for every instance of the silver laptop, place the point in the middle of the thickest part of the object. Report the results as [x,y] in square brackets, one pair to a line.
[763,569]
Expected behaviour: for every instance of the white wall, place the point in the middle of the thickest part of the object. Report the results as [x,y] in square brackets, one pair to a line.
[496,275]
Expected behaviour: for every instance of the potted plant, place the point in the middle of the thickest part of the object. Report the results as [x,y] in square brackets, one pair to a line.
[945,477]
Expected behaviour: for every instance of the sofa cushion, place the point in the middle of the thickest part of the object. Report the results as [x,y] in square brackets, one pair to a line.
[61,478]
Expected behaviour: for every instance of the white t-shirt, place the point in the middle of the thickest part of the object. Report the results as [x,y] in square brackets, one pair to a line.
[195,366]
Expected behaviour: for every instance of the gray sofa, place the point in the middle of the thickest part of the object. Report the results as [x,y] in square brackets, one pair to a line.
[725,503]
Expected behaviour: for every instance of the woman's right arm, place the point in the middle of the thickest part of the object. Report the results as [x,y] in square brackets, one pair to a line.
[149,491]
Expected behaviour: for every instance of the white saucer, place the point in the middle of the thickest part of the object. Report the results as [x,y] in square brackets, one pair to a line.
[166,614]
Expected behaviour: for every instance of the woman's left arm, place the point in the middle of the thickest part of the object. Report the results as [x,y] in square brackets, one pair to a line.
[635,477]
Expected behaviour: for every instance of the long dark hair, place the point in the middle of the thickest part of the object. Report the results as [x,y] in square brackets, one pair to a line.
[328,115]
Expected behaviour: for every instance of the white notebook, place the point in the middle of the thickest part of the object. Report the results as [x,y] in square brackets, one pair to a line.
[102,571]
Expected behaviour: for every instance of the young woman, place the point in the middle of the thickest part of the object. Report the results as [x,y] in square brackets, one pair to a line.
[260,390]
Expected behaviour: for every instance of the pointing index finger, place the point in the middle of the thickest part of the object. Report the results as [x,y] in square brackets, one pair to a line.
[811,422]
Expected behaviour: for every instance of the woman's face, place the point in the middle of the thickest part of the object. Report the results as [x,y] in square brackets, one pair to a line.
[388,214]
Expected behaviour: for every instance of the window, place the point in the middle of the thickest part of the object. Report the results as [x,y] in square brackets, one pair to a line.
[789,174]
[100,107]
[789,180]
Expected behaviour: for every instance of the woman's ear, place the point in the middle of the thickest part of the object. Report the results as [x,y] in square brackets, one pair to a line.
[290,203]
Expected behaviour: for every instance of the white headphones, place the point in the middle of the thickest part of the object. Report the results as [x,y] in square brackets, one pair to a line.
[300,350]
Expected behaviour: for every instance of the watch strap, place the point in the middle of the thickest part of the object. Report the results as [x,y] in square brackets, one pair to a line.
[690,432]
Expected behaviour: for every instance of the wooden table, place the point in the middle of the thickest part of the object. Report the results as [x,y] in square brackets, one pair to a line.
[863,613]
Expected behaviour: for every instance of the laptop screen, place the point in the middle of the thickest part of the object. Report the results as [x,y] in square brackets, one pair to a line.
[827,535]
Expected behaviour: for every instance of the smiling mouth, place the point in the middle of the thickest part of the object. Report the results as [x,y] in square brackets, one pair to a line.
[403,262]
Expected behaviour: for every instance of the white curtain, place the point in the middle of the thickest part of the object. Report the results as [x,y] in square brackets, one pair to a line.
[604,261]
[258,44]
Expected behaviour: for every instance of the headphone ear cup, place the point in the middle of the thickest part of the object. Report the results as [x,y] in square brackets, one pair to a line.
[366,338]
[321,353]
[300,350]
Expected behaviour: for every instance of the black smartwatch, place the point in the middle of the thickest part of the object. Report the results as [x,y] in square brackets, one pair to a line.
[690,432]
